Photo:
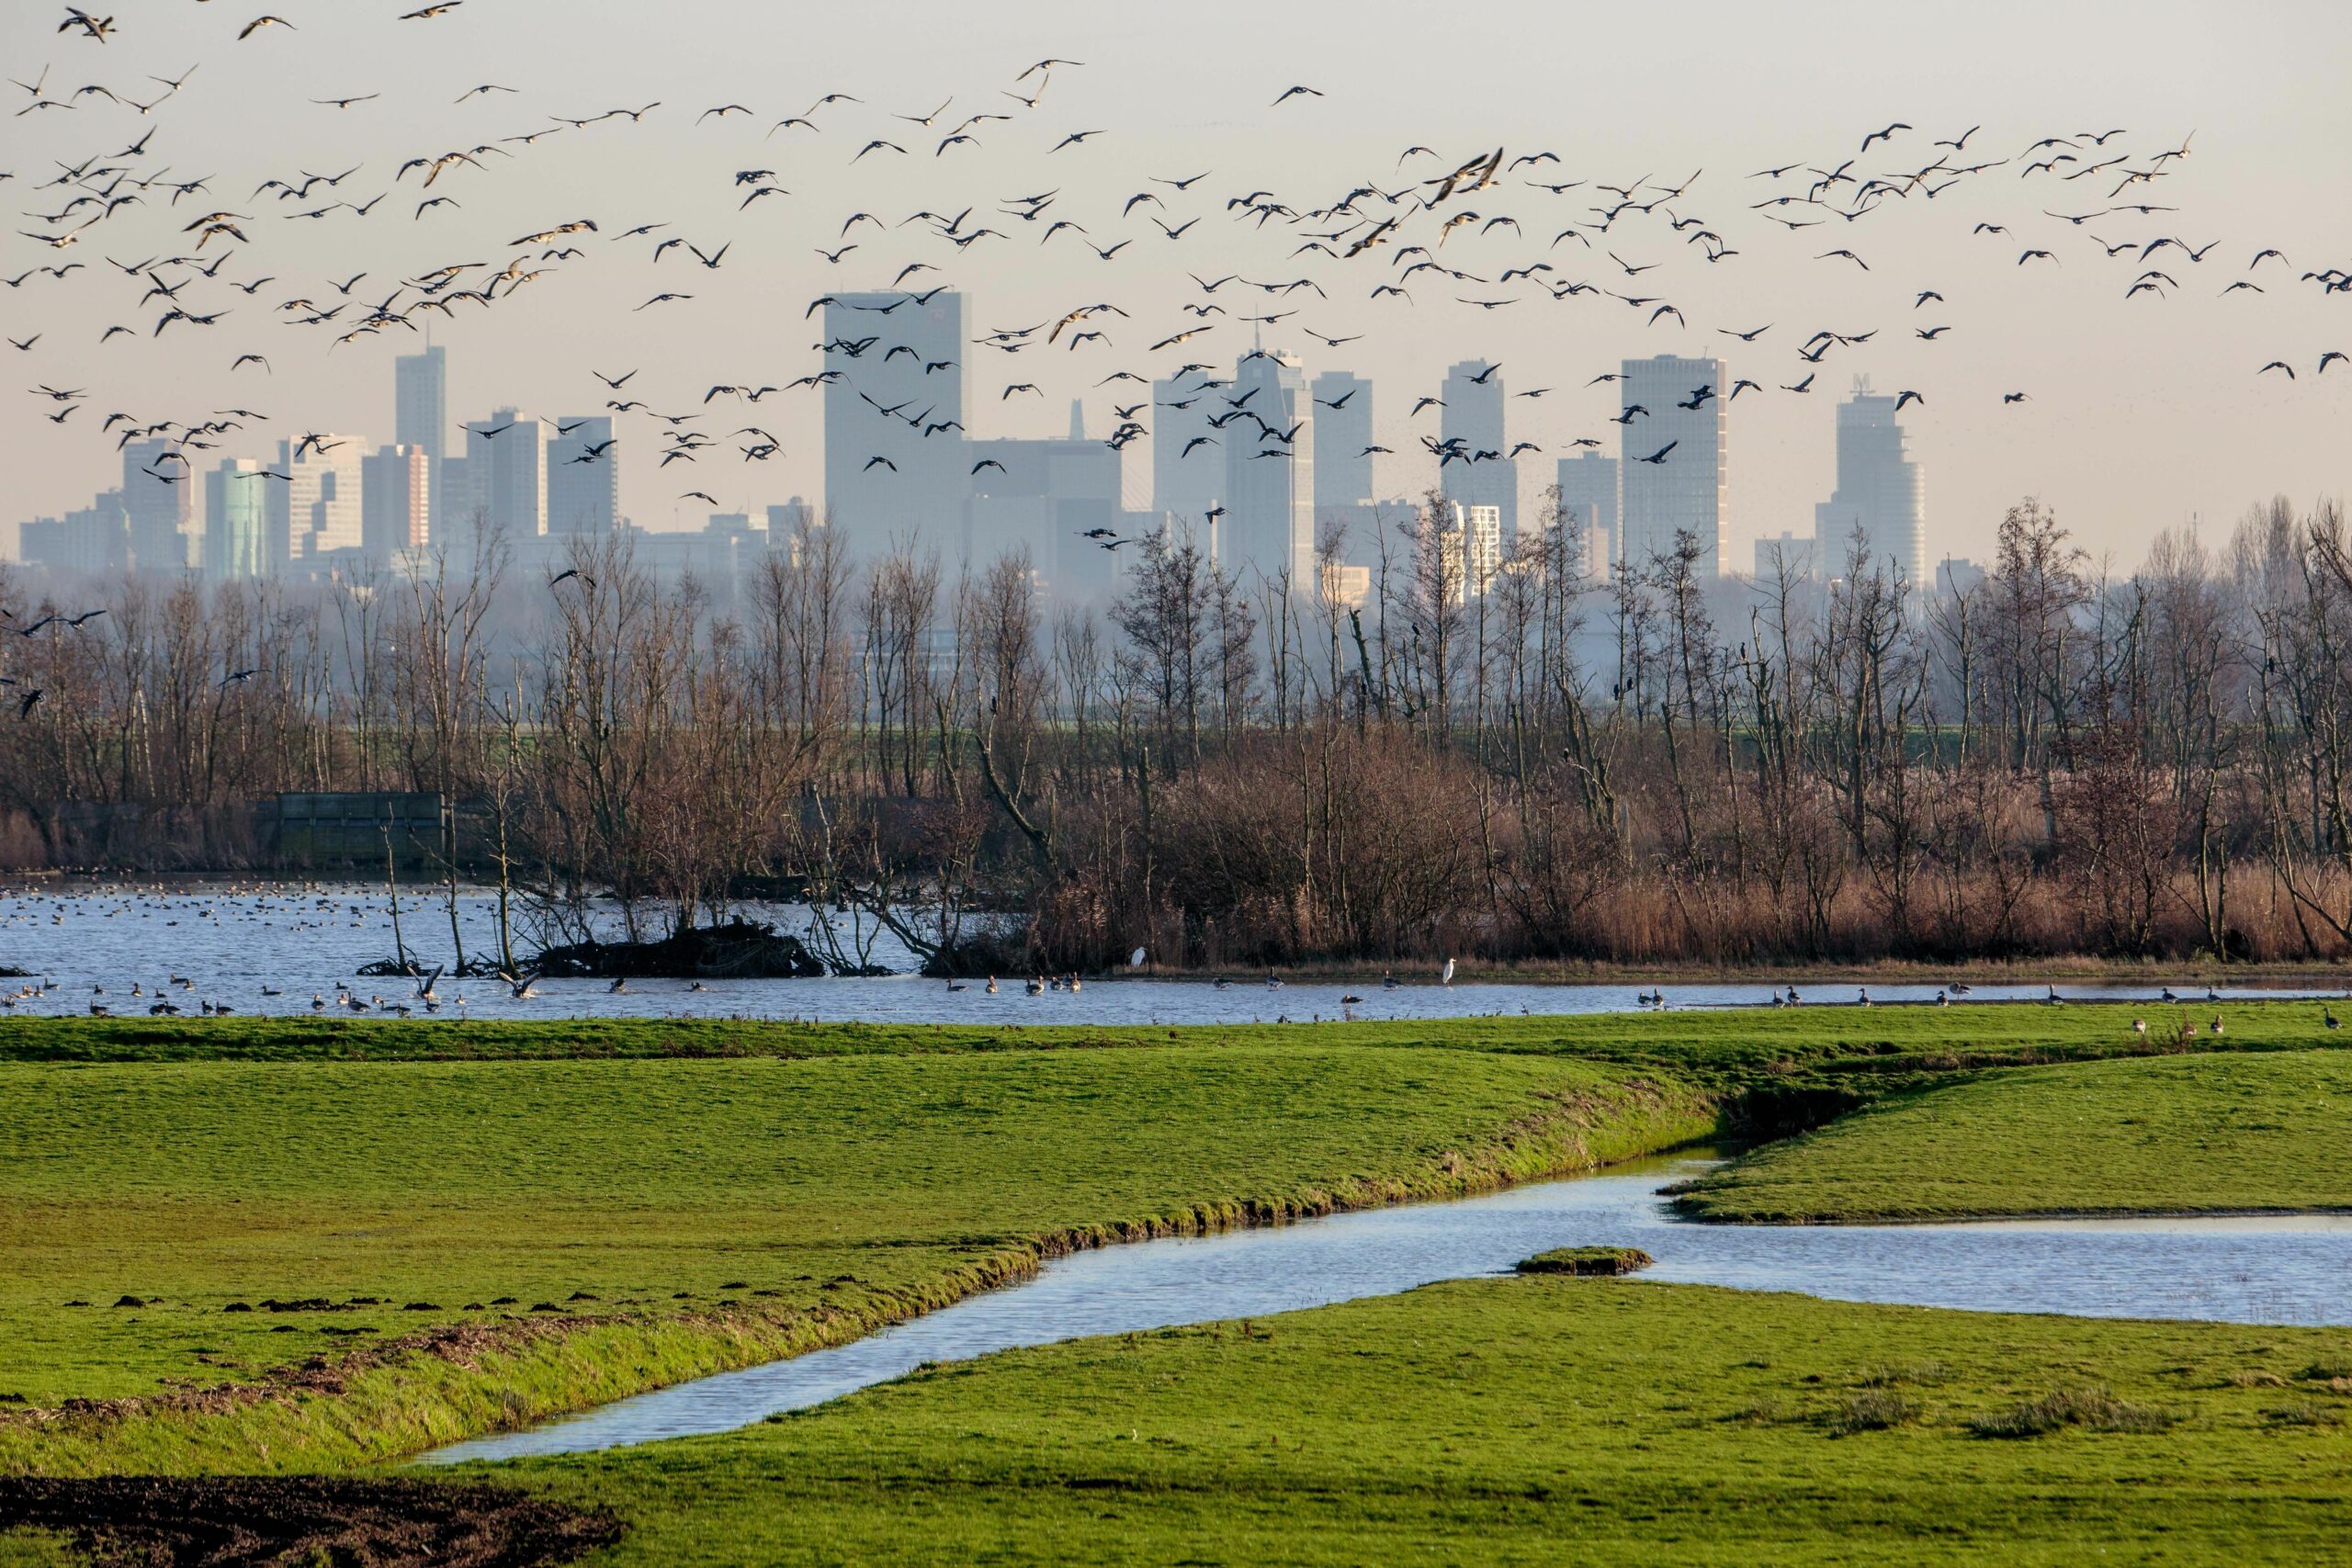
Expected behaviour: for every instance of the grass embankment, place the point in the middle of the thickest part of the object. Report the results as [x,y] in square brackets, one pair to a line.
[566,1232]
[2187,1135]
[1537,1422]
[1731,1049]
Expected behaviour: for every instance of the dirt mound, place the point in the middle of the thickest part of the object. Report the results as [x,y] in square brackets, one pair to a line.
[248,1521]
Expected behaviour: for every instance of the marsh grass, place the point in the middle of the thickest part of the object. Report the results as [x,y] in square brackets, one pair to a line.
[2093,1409]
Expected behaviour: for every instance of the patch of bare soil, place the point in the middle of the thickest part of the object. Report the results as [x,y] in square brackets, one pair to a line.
[281,1521]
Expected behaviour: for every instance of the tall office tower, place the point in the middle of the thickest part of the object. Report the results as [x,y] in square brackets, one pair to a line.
[881,407]
[583,479]
[1188,479]
[1268,526]
[1342,466]
[158,494]
[1589,501]
[1473,415]
[1470,547]
[395,502]
[318,510]
[1684,490]
[1045,496]
[1879,492]
[236,520]
[506,464]
[420,414]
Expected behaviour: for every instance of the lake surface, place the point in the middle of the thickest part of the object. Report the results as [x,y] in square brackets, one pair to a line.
[2275,1270]
[300,942]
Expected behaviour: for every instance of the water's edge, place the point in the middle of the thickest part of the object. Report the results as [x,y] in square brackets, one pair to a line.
[2200,1265]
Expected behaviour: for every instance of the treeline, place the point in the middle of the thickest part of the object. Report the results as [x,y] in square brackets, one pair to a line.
[1639,767]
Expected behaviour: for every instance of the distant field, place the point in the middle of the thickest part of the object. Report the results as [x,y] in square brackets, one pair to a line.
[1732,1047]
[1530,1421]
[701,1213]
[2187,1134]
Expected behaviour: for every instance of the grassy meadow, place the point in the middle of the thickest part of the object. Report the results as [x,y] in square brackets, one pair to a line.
[623,1222]
[2205,1134]
[320,1245]
[1537,1421]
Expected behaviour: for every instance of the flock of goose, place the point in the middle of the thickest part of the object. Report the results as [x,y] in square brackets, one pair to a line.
[1336,265]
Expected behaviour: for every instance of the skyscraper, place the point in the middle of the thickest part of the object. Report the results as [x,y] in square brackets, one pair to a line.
[395,502]
[420,414]
[1683,491]
[158,494]
[1880,492]
[1045,496]
[317,508]
[1472,416]
[1268,526]
[1187,479]
[583,482]
[1342,466]
[236,513]
[903,375]
[506,461]
[1589,501]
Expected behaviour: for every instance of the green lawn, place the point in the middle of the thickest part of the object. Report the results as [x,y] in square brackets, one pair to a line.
[697,1213]
[1537,1421]
[2190,1134]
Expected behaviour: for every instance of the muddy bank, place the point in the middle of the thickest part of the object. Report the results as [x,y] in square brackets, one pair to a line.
[249,1521]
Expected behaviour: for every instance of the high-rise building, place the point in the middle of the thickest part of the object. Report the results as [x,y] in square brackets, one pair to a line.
[1046,497]
[236,520]
[506,467]
[93,541]
[584,478]
[317,508]
[1589,502]
[1470,544]
[1187,453]
[421,416]
[1342,434]
[1472,416]
[1880,492]
[1788,557]
[395,502]
[158,495]
[1268,526]
[1345,517]
[1683,491]
[895,464]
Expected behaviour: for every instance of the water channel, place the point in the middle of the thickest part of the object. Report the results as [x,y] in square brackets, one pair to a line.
[2291,1269]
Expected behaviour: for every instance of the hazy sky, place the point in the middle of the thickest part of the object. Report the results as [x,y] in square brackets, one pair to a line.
[2145,412]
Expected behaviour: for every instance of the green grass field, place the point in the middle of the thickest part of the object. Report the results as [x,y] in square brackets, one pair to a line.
[707,1212]
[511,1220]
[1537,1422]
[1730,1047]
[2207,1133]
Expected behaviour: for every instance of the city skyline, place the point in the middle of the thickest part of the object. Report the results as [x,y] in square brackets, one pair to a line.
[2135,419]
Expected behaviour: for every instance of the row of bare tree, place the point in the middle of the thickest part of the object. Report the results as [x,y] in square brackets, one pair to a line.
[1641,765]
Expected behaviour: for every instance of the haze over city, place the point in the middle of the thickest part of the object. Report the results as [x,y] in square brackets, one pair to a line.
[2141,410]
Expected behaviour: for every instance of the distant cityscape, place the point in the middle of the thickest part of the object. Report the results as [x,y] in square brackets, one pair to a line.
[1266,469]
